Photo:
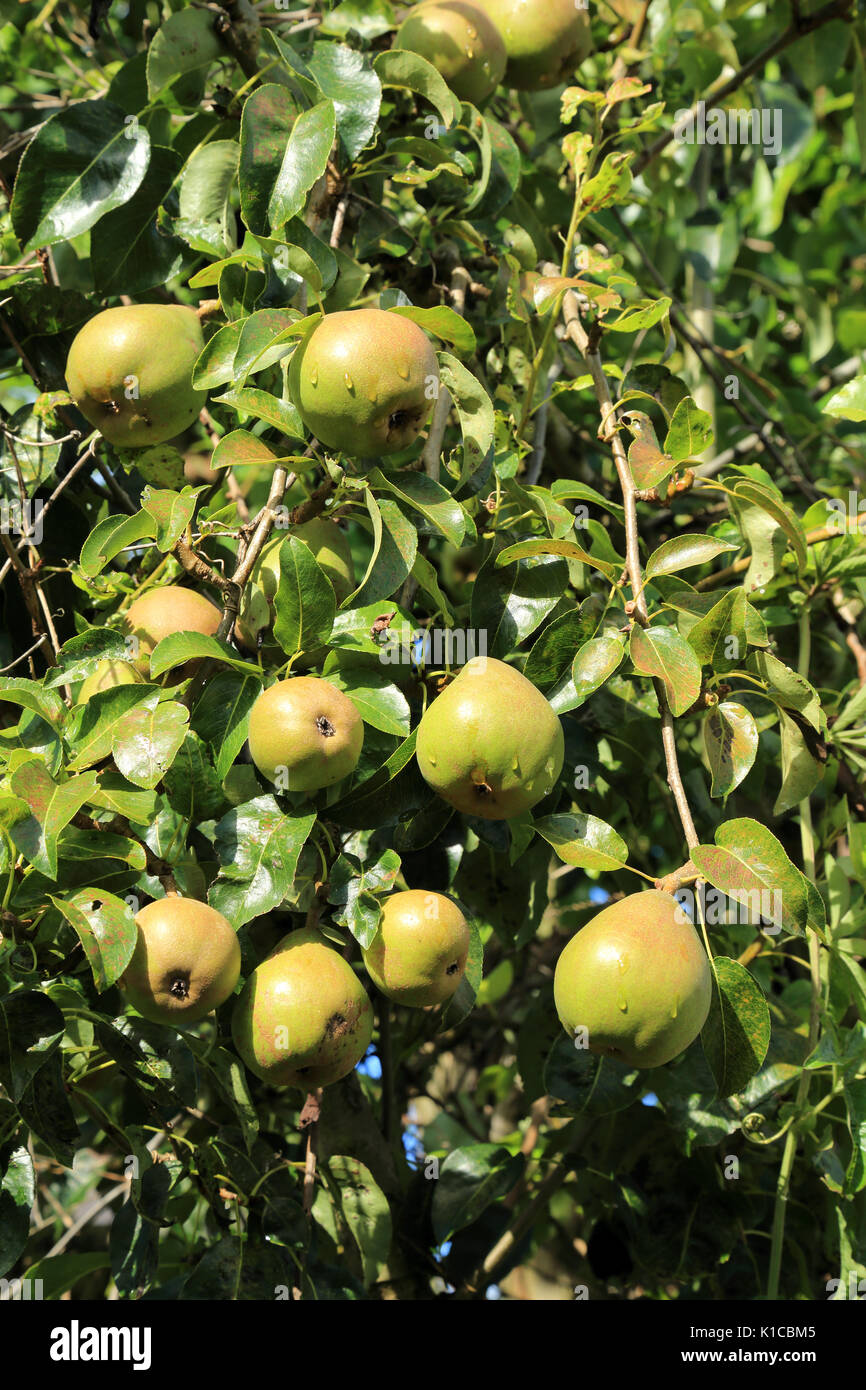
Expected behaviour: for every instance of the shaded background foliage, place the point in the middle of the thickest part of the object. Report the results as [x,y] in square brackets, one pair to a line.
[281,161]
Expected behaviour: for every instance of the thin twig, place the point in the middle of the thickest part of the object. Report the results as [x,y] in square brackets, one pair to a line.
[589,350]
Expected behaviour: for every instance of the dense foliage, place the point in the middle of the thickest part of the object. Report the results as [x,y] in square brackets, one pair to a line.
[639,486]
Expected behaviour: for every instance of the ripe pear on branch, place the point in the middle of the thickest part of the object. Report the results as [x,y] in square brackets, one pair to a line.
[635,982]
[129,371]
[418,955]
[186,962]
[461,42]
[490,744]
[307,731]
[163,610]
[303,1017]
[364,381]
[545,40]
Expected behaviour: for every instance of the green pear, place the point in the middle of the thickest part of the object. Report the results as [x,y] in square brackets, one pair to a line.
[163,610]
[364,381]
[418,955]
[545,40]
[129,371]
[490,744]
[307,732]
[186,961]
[303,1017]
[107,675]
[461,42]
[637,979]
[332,552]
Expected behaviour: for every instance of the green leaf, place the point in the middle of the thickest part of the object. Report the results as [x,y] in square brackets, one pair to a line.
[81,163]
[171,513]
[180,647]
[32,695]
[470,1179]
[586,1084]
[395,545]
[553,653]
[251,400]
[595,661]
[801,772]
[304,161]
[93,726]
[398,68]
[147,740]
[584,841]
[749,865]
[258,847]
[788,688]
[682,552]
[849,402]
[445,323]
[782,514]
[569,549]
[380,702]
[426,496]
[347,77]
[474,411]
[736,1034]
[106,928]
[186,41]
[719,639]
[80,656]
[267,117]
[222,715]
[396,788]
[662,653]
[305,603]
[207,184]
[690,432]
[731,743]
[192,785]
[31,1026]
[112,535]
[510,601]
[367,1213]
[131,254]
[17,1195]
[60,1273]
[52,806]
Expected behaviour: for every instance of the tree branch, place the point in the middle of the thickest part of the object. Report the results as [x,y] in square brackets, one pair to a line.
[588,347]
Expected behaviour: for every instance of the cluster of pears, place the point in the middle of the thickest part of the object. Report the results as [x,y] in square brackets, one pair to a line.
[303,1018]
[129,371]
[476,44]
[635,983]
